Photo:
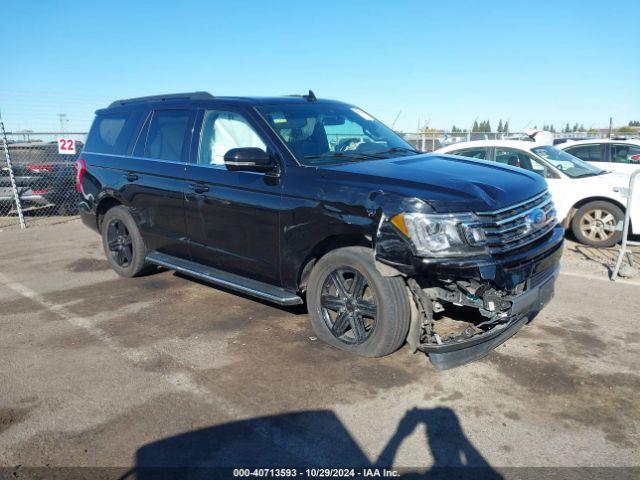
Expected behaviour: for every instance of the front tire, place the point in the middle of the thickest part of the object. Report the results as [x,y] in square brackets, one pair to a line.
[353,307]
[123,244]
[595,224]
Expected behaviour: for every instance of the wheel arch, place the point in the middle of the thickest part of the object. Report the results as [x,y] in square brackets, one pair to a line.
[583,201]
[105,204]
[325,246]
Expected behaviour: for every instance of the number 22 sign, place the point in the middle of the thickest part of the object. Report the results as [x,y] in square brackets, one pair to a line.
[66,146]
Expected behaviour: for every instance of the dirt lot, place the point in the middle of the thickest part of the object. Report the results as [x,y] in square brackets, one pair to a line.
[96,370]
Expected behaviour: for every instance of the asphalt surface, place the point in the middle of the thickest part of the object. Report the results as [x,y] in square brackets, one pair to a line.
[96,370]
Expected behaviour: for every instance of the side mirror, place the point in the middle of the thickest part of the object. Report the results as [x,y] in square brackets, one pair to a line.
[250,159]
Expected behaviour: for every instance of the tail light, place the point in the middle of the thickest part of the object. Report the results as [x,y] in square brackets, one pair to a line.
[635,158]
[40,168]
[40,192]
[79,169]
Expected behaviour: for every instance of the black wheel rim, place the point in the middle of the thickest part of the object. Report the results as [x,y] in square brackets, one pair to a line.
[349,306]
[119,243]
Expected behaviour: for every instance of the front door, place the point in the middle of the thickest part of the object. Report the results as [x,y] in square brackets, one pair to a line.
[233,218]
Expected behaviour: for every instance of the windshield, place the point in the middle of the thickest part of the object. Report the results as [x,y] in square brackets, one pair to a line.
[566,163]
[323,133]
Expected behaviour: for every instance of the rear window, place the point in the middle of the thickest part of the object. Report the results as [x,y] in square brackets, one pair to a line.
[111,133]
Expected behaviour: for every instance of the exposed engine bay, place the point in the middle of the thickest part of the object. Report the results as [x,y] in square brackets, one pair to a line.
[470,315]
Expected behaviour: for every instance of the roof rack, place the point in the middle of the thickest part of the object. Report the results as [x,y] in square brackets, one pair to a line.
[163,98]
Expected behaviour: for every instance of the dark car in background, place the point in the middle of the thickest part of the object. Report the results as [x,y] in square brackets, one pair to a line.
[44,178]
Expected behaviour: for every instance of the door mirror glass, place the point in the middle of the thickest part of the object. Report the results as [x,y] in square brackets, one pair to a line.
[249,159]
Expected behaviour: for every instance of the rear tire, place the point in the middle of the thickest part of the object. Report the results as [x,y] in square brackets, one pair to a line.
[594,224]
[123,245]
[353,307]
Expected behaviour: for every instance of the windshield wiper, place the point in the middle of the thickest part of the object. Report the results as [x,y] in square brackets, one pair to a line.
[339,155]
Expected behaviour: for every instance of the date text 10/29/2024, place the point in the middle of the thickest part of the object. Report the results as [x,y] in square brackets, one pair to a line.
[315,472]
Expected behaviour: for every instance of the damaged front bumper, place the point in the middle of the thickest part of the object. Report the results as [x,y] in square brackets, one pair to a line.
[493,300]
[524,307]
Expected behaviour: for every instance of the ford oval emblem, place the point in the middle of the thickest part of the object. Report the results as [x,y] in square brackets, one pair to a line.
[536,218]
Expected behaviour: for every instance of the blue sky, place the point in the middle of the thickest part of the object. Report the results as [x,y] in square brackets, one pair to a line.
[437,62]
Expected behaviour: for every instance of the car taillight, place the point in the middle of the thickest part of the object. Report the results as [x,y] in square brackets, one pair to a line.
[635,158]
[40,168]
[79,168]
[40,192]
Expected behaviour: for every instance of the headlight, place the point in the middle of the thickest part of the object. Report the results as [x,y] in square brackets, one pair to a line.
[438,235]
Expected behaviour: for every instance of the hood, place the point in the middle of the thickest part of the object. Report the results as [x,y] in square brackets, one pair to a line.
[448,183]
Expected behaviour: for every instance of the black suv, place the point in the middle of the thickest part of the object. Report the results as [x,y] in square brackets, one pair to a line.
[292,197]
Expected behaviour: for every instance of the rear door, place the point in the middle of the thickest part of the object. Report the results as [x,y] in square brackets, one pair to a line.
[154,183]
[233,217]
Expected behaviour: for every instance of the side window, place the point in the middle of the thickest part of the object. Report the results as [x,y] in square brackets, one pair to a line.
[111,133]
[588,153]
[480,153]
[625,153]
[518,158]
[167,134]
[222,131]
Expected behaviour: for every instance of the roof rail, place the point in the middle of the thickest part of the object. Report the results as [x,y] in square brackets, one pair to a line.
[163,98]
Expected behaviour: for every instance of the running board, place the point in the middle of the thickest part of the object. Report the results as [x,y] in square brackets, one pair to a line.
[232,281]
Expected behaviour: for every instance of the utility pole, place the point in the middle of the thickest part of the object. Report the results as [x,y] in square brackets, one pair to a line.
[63,120]
[610,125]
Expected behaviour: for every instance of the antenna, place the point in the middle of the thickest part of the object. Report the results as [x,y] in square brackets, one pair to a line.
[311,97]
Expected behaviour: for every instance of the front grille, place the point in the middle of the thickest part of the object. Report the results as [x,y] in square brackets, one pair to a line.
[513,227]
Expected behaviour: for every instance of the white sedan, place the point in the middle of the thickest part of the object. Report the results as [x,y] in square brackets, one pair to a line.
[586,197]
[609,154]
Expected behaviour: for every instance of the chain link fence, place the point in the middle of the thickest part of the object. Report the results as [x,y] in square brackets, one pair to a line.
[37,168]
[37,176]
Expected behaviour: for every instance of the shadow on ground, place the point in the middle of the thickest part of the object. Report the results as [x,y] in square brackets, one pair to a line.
[309,439]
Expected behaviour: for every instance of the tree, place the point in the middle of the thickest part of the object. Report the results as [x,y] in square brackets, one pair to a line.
[476,127]
[582,128]
[575,127]
[567,128]
[500,126]
[505,127]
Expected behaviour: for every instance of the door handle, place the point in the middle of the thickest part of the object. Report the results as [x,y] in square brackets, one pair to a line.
[132,177]
[199,188]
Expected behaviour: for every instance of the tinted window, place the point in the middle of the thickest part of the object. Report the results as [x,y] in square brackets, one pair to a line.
[588,153]
[517,158]
[111,133]
[625,153]
[222,131]
[167,133]
[472,152]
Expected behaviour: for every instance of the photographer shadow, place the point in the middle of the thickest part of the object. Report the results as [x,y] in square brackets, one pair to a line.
[316,439]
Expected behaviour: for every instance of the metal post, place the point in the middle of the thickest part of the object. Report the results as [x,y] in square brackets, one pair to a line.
[16,195]
[625,229]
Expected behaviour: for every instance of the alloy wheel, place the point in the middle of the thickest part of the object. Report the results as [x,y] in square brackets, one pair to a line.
[119,243]
[598,225]
[348,305]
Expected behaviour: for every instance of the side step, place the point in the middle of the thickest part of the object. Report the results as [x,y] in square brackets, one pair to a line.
[251,287]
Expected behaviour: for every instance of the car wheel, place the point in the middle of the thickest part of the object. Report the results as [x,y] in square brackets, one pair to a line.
[353,307]
[123,244]
[595,224]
